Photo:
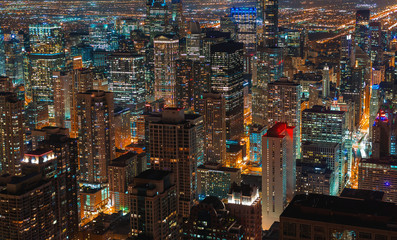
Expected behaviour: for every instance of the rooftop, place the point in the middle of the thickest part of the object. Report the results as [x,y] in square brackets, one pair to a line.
[228,47]
[322,109]
[343,211]
[217,167]
[362,194]
[153,174]
[122,160]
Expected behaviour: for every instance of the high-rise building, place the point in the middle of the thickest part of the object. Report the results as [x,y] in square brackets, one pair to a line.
[102,38]
[96,149]
[127,80]
[270,22]
[176,144]
[12,135]
[213,109]
[177,19]
[379,175]
[321,125]
[122,170]
[153,205]
[376,42]
[308,216]
[46,55]
[27,206]
[65,181]
[187,86]
[166,52]
[278,186]
[245,19]
[321,153]
[326,81]
[215,180]
[245,204]
[283,105]
[346,61]
[66,87]
[211,220]
[269,69]
[381,136]
[14,50]
[157,18]
[227,78]
[194,41]
[315,178]
[373,107]
[229,26]
[362,34]
[96,135]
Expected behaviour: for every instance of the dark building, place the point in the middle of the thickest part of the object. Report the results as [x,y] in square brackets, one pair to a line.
[362,34]
[211,220]
[245,204]
[317,216]
[271,22]
[153,205]
[227,78]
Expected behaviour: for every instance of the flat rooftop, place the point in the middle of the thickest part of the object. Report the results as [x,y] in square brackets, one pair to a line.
[343,211]
[153,174]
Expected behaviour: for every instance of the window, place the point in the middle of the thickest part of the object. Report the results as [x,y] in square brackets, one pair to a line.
[289,229]
[305,231]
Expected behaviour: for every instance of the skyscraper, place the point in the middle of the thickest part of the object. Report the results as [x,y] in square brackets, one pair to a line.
[381,136]
[379,175]
[283,105]
[96,149]
[255,151]
[12,135]
[46,55]
[269,69]
[96,135]
[245,204]
[27,206]
[177,20]
[64,182]
[271,22]
[227,78]
[215,180]
[166,52]
[122,170]
[245,19]
[153,205]
[127,80]
[362,34]
[321,125]
[157,18]
[213,110]
[278,172]
[176,144]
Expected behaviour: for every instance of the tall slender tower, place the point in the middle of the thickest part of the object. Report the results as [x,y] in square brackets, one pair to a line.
[127,79]
[271,22]
[166,52]
[47,55]
[362,34]
[12,133]
[176,144]
[227,78]
[96,135]
[213,110]
[284,105]
[278,172]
